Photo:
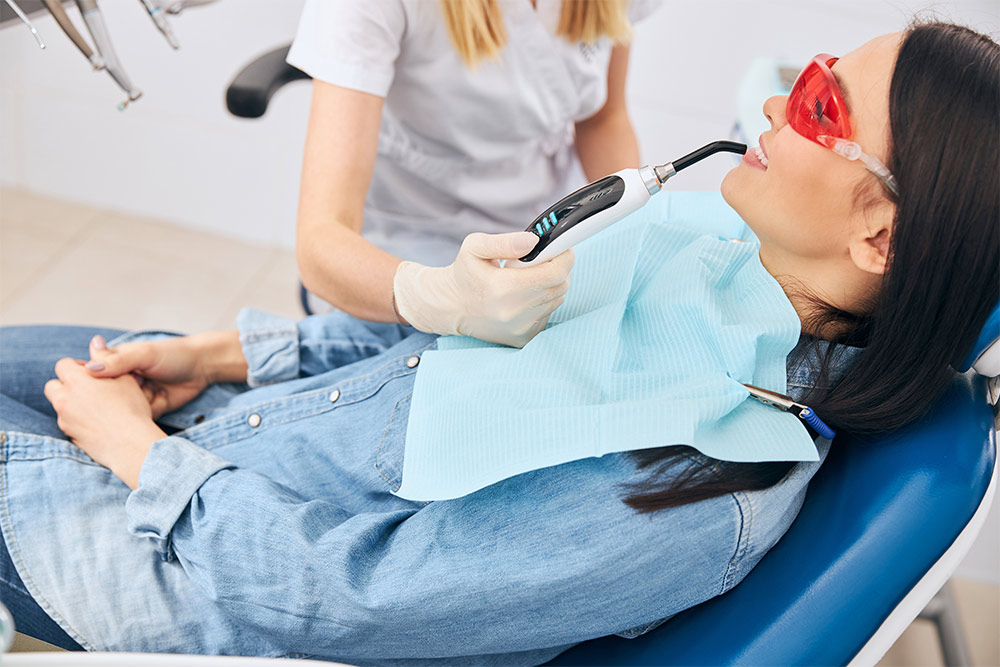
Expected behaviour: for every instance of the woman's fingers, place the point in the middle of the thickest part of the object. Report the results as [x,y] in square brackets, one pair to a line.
[52,390]
[115,361]
[67,368]
[159,403]
[148,388]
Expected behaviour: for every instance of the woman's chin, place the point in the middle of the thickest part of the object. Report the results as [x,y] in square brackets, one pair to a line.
[737,193]
[730,188]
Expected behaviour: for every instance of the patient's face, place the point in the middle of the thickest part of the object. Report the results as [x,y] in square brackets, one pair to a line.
[802,204]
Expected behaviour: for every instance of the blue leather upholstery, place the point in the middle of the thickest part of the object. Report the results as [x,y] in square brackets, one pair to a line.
[878,515]
[990,335]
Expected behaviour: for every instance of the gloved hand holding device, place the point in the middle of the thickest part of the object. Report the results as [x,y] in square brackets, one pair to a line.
[475,296]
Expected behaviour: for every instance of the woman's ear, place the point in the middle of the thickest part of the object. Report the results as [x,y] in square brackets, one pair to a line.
[869,247]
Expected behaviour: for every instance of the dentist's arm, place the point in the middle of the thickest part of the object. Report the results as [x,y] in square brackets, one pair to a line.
[605,142]
[473,296]
[335,261]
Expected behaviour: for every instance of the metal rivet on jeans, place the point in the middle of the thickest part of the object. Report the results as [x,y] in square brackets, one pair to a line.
[412,362]
[254,420]
[334,395]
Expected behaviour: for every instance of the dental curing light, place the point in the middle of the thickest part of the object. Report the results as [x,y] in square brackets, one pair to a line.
[605,201]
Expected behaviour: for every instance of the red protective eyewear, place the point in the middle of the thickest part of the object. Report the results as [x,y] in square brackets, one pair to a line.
[817,111]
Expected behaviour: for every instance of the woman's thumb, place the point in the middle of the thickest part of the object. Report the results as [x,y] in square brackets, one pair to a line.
[105,362]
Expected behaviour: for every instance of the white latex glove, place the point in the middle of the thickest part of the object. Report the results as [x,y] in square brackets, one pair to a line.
[474,296]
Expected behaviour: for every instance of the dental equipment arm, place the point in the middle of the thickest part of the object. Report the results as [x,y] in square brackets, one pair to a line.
[180,5]
[59,14]
[605,201]
[94,19]
[155,11]
[24,19]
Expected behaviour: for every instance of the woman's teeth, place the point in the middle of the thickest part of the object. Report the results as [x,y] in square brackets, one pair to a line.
[761,156]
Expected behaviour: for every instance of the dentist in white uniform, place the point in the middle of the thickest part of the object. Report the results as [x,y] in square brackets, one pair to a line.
[421,170]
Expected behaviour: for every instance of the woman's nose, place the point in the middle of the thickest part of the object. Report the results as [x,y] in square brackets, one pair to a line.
[774,111]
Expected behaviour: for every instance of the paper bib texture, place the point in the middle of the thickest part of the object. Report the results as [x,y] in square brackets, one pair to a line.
[661,325]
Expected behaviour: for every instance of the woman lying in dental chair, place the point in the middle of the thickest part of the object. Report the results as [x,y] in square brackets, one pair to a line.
[266,523]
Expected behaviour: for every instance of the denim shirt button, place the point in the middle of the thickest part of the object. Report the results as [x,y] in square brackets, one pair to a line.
[199,419]
[412,362]
[334,395]
[254,420]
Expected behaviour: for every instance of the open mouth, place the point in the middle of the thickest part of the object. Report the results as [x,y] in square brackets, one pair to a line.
[756,158]
[761,157]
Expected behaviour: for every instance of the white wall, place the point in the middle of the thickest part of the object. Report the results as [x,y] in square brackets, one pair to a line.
[689,58]
[177,155]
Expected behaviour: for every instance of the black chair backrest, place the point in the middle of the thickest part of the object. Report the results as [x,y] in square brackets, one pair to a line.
[250,92]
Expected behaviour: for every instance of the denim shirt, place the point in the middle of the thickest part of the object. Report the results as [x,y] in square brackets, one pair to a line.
[267,525]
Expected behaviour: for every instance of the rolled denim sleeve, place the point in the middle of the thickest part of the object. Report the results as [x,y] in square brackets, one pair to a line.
[173,471]
[271,347]
[279,349]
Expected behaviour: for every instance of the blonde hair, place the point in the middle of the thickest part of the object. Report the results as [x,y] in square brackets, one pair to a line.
[477,31]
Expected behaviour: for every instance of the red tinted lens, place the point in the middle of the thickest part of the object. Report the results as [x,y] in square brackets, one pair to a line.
[815,105]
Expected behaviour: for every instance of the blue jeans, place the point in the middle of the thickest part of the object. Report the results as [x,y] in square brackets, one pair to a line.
[27,359]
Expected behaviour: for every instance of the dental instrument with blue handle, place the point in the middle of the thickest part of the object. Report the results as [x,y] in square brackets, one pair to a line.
[158,14]
[94,19]
[178,6]
[786,404]
[600,204]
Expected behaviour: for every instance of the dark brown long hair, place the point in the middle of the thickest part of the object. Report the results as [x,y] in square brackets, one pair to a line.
[943,277]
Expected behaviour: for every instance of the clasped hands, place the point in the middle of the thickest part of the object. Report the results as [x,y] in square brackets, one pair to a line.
[107,405]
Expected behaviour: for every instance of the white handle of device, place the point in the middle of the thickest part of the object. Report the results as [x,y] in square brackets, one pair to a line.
[634,197]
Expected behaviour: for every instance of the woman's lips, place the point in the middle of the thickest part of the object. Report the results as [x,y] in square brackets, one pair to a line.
[755,157]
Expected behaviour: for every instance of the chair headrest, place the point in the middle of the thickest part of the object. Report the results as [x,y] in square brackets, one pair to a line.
[985,355]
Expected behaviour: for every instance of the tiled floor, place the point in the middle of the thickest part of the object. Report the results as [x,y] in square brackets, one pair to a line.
[67,263]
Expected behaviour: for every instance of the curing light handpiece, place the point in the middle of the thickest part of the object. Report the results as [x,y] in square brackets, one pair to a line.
[605,201]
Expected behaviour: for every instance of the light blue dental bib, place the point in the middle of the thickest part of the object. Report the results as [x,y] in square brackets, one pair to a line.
[660,327]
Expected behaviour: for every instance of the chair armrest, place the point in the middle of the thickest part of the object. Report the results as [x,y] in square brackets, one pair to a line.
[251,90]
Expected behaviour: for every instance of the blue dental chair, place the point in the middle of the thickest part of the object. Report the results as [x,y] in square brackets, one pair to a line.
[885,522]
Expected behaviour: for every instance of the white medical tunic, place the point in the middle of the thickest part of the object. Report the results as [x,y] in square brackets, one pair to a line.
[460,149]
